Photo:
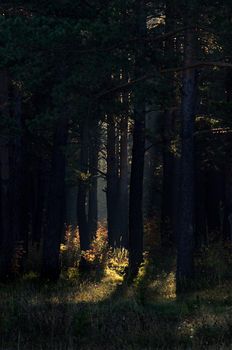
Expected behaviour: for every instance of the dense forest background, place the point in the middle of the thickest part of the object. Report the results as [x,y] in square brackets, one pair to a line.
[115,168]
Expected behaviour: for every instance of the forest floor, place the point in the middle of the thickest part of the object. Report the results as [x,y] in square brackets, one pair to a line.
[103,313]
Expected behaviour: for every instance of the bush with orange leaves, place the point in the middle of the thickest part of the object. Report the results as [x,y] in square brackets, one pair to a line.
[98,254]
[98,257]
[70,249]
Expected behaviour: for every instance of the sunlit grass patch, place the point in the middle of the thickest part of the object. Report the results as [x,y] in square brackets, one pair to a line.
[94,292]
[100,311]
[164,286]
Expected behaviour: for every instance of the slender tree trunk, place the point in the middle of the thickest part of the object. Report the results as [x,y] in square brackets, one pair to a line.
[200,208]
[19,195]
[169,129]
[138,152]
[136,194]
[112,183]
[38,202]
[123,182]
[71,207]
[185,245]
[167,200]
[215,184]
[56,200]
[93,201]
[227,225]
[82,195]
[7,239]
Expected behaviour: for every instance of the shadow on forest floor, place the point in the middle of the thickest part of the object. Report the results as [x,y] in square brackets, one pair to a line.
[107,314]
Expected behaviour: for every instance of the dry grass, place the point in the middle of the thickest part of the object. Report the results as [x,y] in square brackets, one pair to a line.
[101,312]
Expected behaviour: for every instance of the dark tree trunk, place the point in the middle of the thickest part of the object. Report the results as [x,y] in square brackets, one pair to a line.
[71,208]
[19,172]
[93,162]
[167,228]
[200,208]
[82,191]
[40,180]
[136,194]
[123,182]
[138,152]
[7,238]
[185,245]
[169,129]
[56,200]
[227,224]
[215,184]
[112,184]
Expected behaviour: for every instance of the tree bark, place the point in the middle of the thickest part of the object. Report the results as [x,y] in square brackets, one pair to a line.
[167,228]
[7,239]
[55,212]
[123,182]
[138,152]
[82,191]
[112,184]
[93,162]
[185,245]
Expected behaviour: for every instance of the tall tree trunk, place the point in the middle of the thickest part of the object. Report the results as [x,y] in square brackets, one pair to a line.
[200,209]
[227,225]
[167,229]
[138,151]
[40,187]
[71,207]
[169,129]
[123,182]
[19,197]
[185,245]
[112,183]
[93,163]
[55,213]
[215,184]
[7,239]
[82,194]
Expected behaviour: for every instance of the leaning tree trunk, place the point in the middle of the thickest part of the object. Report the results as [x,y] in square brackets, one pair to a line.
[55,213]
[185,244]
[137,166]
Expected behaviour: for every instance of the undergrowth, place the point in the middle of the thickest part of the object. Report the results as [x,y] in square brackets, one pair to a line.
[102,312]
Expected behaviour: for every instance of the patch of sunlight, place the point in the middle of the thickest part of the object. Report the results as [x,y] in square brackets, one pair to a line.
[210,120]
[170,286]
[175,148]
[112,276]
[55,300]
[165,285]
[94,292]
[153,22]
[187,329]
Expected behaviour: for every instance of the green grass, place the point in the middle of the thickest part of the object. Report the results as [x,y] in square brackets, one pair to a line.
[102,312]
[106,314]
